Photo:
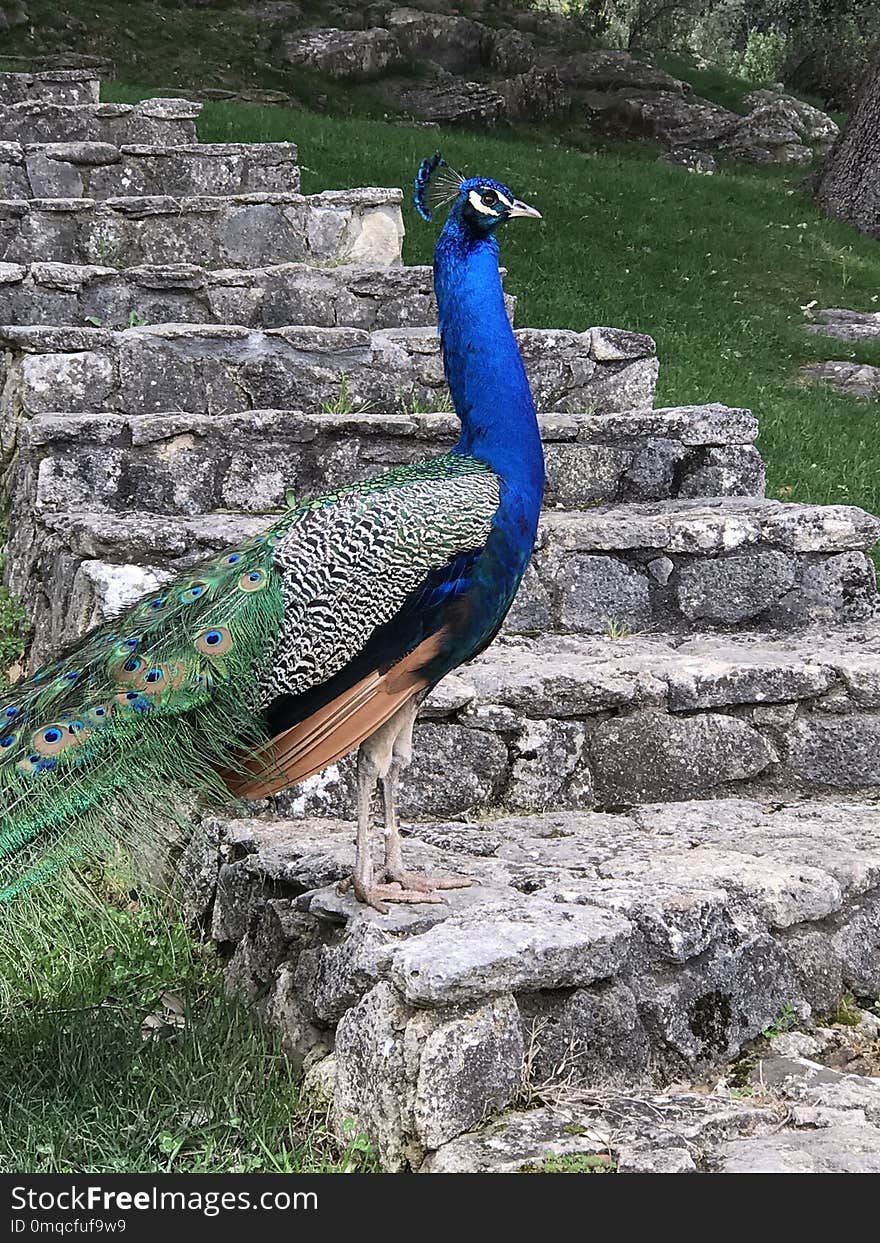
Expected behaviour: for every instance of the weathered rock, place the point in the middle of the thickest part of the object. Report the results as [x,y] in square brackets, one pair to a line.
[852,379]
[851,326]
[352,54]
[452,102]
[246,230]
[510,53]
[734,588]
[165,122]
[477,757]
[521,946]
[57,86]
[771,134]
[469,1066]
[449,40]
[838,752]
[588,1035]
[536,95]
[813,126]
[693,160]
[667,116]
[548,769]
[608,70]
[649,756]
[600,592]
[845,1147]
[601,1131]
[414,1080]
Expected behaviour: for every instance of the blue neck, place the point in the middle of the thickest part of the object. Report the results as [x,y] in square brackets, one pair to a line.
[483,366]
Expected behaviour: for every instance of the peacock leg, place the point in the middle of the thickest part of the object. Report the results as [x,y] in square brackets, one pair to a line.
[401,757]
[374,758]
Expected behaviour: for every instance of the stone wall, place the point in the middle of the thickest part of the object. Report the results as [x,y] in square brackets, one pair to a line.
[576,722]
[224,369]
[246,230]
[100,170]
[594,949]
[169,122]
[285,294]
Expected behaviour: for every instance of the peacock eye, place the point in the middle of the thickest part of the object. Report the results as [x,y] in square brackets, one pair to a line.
[489,197]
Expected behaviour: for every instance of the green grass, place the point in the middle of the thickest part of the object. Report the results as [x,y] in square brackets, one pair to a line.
[13,622]
[213,1094]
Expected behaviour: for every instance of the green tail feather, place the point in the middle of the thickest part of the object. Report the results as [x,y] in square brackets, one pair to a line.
[112,742]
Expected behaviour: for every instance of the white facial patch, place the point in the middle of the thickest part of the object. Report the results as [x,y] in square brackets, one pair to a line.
[477,203]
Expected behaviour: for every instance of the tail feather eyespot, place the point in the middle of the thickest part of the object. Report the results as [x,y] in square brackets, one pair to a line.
[195,591]
[213,641]
[134,701]
[98,716]
[128,670]
[253,580]
[58,736]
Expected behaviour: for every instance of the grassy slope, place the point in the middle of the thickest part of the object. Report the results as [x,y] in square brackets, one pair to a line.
[178,45]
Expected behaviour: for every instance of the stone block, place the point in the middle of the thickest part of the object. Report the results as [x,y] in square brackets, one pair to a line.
[650,755]
[521,946]
[735,588]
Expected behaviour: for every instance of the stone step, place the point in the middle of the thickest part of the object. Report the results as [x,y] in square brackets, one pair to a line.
[97,170]
[597,950]
[227,369]
[274,297]
[850,326]
[166,122]
[573,722]
[231,231]
[611,570]
[182,464]
[56,86]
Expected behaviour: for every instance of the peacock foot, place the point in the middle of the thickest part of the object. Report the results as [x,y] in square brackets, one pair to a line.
[377,895]
[425,884]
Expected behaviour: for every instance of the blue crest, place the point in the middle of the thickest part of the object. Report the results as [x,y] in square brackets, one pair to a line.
[434,187]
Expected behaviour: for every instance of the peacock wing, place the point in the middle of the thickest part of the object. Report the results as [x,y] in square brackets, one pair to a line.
[368,584]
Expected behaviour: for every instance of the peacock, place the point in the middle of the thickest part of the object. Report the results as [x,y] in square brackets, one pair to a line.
[319,636]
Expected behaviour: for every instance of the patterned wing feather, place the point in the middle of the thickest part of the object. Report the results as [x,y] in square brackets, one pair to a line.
[350,568]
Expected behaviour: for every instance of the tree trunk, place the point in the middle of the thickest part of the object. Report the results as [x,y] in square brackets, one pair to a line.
[848,183]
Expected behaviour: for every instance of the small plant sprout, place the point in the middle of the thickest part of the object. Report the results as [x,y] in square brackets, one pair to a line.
[343,403]
[786,1020]
[616,629]
[437,403]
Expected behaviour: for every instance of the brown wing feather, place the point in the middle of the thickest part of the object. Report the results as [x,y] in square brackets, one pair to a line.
[336,729]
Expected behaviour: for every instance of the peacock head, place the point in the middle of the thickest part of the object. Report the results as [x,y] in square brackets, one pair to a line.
[480,203]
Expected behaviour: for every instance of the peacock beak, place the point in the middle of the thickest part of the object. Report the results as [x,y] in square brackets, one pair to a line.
[522,209]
